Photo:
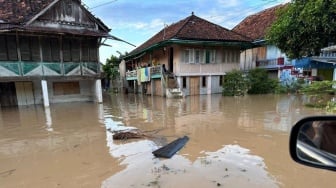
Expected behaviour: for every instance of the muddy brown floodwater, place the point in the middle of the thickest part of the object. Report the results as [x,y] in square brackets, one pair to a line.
[234,142]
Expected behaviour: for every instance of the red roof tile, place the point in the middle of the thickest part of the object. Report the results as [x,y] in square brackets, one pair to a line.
[193,28]
[20,11]
[255,26]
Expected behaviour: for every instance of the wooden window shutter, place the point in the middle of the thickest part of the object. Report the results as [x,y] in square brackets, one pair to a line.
[12,48]
[85,51]
[3,49]
[75,50]
[55,50]
[46,50]
[93,51]
[66,50]
[24,49]
[35,49]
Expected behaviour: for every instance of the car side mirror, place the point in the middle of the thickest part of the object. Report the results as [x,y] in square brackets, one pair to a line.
[313,142]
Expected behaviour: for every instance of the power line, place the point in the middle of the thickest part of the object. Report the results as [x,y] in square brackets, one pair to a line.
[242,13]
[103,4]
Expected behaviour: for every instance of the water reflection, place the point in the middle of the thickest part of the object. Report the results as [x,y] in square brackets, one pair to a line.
[221,130]
[230,165]
[238,142]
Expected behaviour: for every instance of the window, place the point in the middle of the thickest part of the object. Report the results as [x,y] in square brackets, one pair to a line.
[89,50]
[184,82]
[231,56]
[188,56]
[210,56]
[71,50]
[204,81]
[50,49]
[8,48]
[199,56]
[29,48]
[66,88]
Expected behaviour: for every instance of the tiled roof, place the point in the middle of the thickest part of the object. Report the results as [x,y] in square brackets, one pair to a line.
[193,28]
[255,26]
[20,11]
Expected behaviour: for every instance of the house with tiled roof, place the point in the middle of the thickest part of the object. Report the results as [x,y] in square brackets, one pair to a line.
[263,55]
[49,52]
[189,57]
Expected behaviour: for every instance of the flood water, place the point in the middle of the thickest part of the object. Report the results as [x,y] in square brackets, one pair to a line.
[234,142]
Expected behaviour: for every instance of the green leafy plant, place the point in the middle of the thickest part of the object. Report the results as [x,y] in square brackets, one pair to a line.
[235,84]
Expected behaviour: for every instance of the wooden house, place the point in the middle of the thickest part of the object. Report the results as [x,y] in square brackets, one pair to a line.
[49,52]
[262,55]
[189,57]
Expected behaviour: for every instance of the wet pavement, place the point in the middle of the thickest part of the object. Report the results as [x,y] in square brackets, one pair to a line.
[234,142]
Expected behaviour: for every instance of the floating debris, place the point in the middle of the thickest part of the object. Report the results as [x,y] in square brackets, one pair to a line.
[170,149]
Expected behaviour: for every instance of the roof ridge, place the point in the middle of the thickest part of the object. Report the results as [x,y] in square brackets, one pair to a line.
[185,23]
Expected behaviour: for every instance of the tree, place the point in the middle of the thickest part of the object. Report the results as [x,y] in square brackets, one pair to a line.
[110,69]
[303,27]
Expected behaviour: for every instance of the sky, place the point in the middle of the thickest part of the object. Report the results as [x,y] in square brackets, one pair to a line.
[137,21]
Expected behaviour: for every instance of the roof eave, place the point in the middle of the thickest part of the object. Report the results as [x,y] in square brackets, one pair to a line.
[241,44]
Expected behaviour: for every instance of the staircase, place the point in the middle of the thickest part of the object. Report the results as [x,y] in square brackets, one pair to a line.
[171,86]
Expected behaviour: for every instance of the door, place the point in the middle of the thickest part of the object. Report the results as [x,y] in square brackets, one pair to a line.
[7,94]
[194,85]
[24,92]
[171,60]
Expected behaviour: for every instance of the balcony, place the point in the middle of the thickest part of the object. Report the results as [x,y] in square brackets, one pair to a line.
[271,63]
[38,69]
[327,55]
[142,74]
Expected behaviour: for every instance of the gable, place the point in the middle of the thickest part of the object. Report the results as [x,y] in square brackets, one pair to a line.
[67,14]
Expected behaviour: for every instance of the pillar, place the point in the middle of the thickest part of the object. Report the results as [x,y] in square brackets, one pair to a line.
[45,93]
[98,91]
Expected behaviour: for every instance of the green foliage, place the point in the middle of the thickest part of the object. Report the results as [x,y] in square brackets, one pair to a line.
[304,27]
[111,67]
[319,94]
[293,87]
[235,84]
[331,106]
[260,83]
[319,87]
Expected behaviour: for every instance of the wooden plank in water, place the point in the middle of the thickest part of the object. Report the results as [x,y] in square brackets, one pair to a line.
[170,149]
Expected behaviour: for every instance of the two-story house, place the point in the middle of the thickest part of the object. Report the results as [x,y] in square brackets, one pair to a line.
[190,56]
[262,55]
[49,52]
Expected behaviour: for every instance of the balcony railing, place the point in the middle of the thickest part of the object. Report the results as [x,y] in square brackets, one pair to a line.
[21,69]
[155,72]
[270,63]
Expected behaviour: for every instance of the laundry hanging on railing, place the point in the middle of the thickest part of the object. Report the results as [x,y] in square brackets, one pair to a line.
[145,74]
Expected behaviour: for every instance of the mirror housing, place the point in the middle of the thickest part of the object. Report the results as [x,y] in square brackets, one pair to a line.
[313,142]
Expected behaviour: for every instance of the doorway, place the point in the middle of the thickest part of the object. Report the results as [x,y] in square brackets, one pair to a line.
[7,94]
[171,60]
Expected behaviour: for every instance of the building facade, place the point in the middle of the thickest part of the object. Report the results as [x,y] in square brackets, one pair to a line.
[189,57]
[49,52]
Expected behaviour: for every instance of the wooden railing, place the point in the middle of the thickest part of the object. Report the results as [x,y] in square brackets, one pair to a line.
[155,72]
[20,69]
[270,62]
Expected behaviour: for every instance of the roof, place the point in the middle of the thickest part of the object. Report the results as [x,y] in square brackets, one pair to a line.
[192,28]
[18,14]
[255,25]
[20,11]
